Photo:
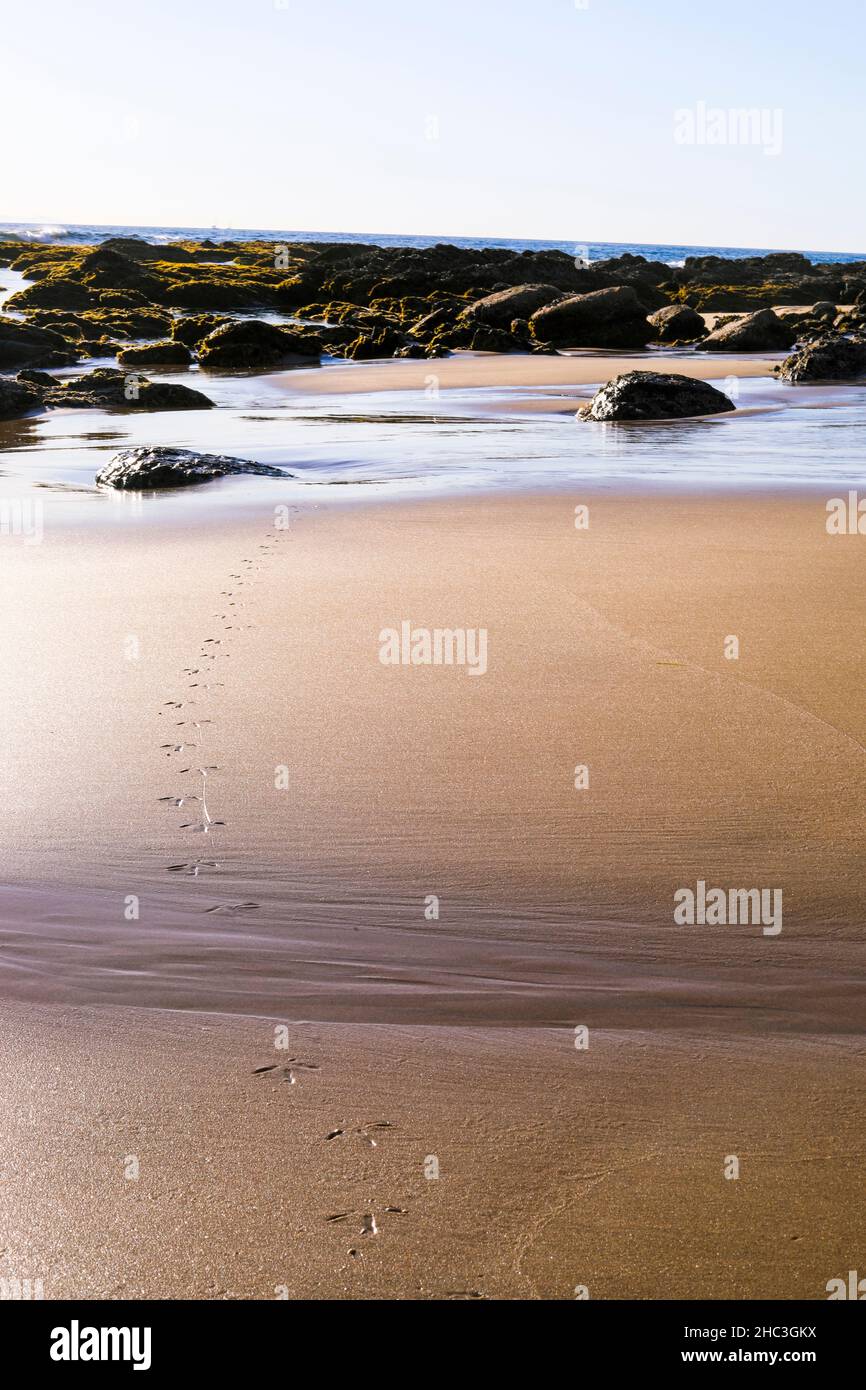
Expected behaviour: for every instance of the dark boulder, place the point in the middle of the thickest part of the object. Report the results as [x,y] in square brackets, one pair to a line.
[164,354]
[31,377]
[215,292]
[23,345]
[827,359]
[487,339]
[655,396]
[148,468]
[18,398]
[105,269]
[519,302]
[54,292]
[613,318]
[109,389]
[763,331]
[425,328]
[678,323]
[370,346]
[95,323]
[193,329]
[251,345]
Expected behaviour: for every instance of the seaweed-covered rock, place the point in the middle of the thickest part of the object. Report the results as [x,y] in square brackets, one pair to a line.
[31,377]
[488,339]
[827,359]
[655,396]
[54,292]
[161,467]
[221,291]
[194,328]
[107,269]
[750,298]
[678,323]
[251,345]
[91,324]
[612,318]
[763,331]
[23,345]
[518,302]
[109,389]
[164,354]
[18,398]
[425,328]
[369,346]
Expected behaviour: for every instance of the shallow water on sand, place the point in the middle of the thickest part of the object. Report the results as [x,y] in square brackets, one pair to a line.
[405,443]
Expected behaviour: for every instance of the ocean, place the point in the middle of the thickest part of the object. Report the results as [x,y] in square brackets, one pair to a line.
[673,255]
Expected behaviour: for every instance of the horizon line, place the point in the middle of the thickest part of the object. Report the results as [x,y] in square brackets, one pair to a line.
[429,236]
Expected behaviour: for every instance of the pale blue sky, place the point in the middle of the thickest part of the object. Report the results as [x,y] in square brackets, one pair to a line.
[550,120]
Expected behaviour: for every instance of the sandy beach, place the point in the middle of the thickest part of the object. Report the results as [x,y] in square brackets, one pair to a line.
[145,965]
[433,744]
[522,370]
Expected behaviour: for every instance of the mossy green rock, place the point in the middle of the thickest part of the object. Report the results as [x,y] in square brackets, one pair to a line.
[165,354]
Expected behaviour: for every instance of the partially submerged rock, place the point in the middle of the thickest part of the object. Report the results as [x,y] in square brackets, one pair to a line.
[110,389]
[23,345]
[164,354]
[144,468]
[613,318]
[252,345]
[763,331]
[18,398]
[92,324]
[828,359]
[655,396]
[193,329]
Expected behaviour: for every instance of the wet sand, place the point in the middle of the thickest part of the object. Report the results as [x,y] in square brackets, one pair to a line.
[464,369]
[138,1035]
[142,1157]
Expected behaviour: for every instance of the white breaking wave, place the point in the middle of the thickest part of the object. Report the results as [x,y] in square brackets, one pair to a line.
[48,232]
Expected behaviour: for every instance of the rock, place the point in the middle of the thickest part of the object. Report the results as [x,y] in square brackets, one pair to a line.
[109,389]
[33,378]
[368,346]
[230,290]
[613,318]
[750,298]
[655,396]
[18,398]
[107,269]
[521,301]
[429,324]
[164,354]
[251,345]
[193,329]
[23,345]
[161,467]
[823,310]
[763,331]
[487,339]
[97,323]
[826,359]
[678,323]
[55,292]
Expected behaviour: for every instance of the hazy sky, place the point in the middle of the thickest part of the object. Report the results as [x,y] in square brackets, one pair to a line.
[546,118]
